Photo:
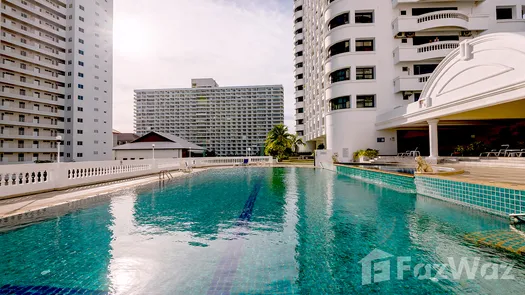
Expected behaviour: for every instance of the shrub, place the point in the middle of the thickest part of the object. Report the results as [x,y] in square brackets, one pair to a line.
[369,153]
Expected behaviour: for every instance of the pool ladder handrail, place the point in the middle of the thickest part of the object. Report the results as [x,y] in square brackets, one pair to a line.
[163,174]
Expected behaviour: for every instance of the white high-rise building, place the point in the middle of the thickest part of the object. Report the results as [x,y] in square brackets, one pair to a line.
[51,49]
[231,121]
[355,60]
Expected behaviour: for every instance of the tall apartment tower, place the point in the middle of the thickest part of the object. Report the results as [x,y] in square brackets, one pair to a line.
[44,43]
[355,60]
[89,81]
[231,121]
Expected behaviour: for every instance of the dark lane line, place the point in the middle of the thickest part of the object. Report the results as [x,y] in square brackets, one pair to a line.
[225,272]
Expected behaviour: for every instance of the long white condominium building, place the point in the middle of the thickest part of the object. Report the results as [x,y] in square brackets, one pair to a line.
[357,59]
[56,80]
[232,121]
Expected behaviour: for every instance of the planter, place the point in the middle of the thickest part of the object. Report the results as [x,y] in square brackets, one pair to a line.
[363,159]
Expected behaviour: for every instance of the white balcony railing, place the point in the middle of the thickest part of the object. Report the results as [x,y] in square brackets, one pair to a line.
[440,19]
[436,50]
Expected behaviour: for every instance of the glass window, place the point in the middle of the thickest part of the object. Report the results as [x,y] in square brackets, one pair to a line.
[364,45]
[365,101]
[364,17]
[340,75]
[339,48]
[340,103]
[339,20]
[364,73]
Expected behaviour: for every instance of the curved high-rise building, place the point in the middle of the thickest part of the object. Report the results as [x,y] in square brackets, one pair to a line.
[355,60]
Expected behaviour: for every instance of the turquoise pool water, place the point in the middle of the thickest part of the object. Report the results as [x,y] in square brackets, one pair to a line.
[251,231]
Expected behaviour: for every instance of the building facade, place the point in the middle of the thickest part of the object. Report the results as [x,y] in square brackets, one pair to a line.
[229,121]
[355,60]
[40,41]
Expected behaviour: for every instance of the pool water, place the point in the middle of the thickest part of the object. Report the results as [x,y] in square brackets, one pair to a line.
[251,231]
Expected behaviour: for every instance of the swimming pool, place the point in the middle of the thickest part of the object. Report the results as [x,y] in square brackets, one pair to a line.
[251,231]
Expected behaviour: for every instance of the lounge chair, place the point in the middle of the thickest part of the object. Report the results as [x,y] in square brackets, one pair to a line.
[414,153]
[497,153]
[517,154]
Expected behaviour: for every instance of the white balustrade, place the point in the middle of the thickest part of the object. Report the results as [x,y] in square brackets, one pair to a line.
[26,179]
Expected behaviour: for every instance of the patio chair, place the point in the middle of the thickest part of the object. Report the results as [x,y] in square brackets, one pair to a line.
[187,168]
[405,154]
[497,153]
[517,154]
[414,153]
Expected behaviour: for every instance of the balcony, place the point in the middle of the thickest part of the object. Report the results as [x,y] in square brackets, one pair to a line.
[395,3]
[410,83]
[59,125]
[436,50]
[440,21]
[299,116]
[13,94]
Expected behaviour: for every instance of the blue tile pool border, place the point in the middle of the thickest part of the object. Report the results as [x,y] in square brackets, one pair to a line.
[498,200]
[492,199]
[392,180]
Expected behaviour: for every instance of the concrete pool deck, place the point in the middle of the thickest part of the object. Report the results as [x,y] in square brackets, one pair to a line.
[513,178]
[35,204]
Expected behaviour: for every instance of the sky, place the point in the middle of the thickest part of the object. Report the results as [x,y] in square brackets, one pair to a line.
[166,43]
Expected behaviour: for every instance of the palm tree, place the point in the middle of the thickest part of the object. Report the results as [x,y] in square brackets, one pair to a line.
[296,142]
[277,141]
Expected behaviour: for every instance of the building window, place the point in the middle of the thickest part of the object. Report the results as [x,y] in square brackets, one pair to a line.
[340,103]
[20,157]
[81,52]
[80,41]
[80,109]
[364,45]
[81,75]
[81,30]
[81,7]
[338,48]
[365,101]
[79,155]
[80,97]
[365,73]
[364,17]
[340,75]
[504,13]
[80,120]
[81,18]
[80,86]
[21,131]
[81,63]
[80,143]
[80,131]
[300,110]
[339,20]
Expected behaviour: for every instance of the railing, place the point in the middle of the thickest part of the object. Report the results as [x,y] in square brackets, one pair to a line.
[442,15]
[438,46]
[25,179]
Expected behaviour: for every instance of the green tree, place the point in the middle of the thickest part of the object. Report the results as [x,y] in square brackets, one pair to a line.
[278,141]
[296,142]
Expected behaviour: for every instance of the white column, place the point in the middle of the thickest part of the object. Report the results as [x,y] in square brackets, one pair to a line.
[433,136]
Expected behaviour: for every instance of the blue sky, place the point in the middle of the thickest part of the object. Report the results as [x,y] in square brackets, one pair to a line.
[165,43]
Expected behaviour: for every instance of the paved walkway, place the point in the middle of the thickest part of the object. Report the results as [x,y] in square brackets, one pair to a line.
[33,203]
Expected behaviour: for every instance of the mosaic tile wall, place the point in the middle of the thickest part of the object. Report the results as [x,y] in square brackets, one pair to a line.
[396,182]
[495,200]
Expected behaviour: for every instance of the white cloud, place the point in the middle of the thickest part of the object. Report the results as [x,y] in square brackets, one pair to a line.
[165,43]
